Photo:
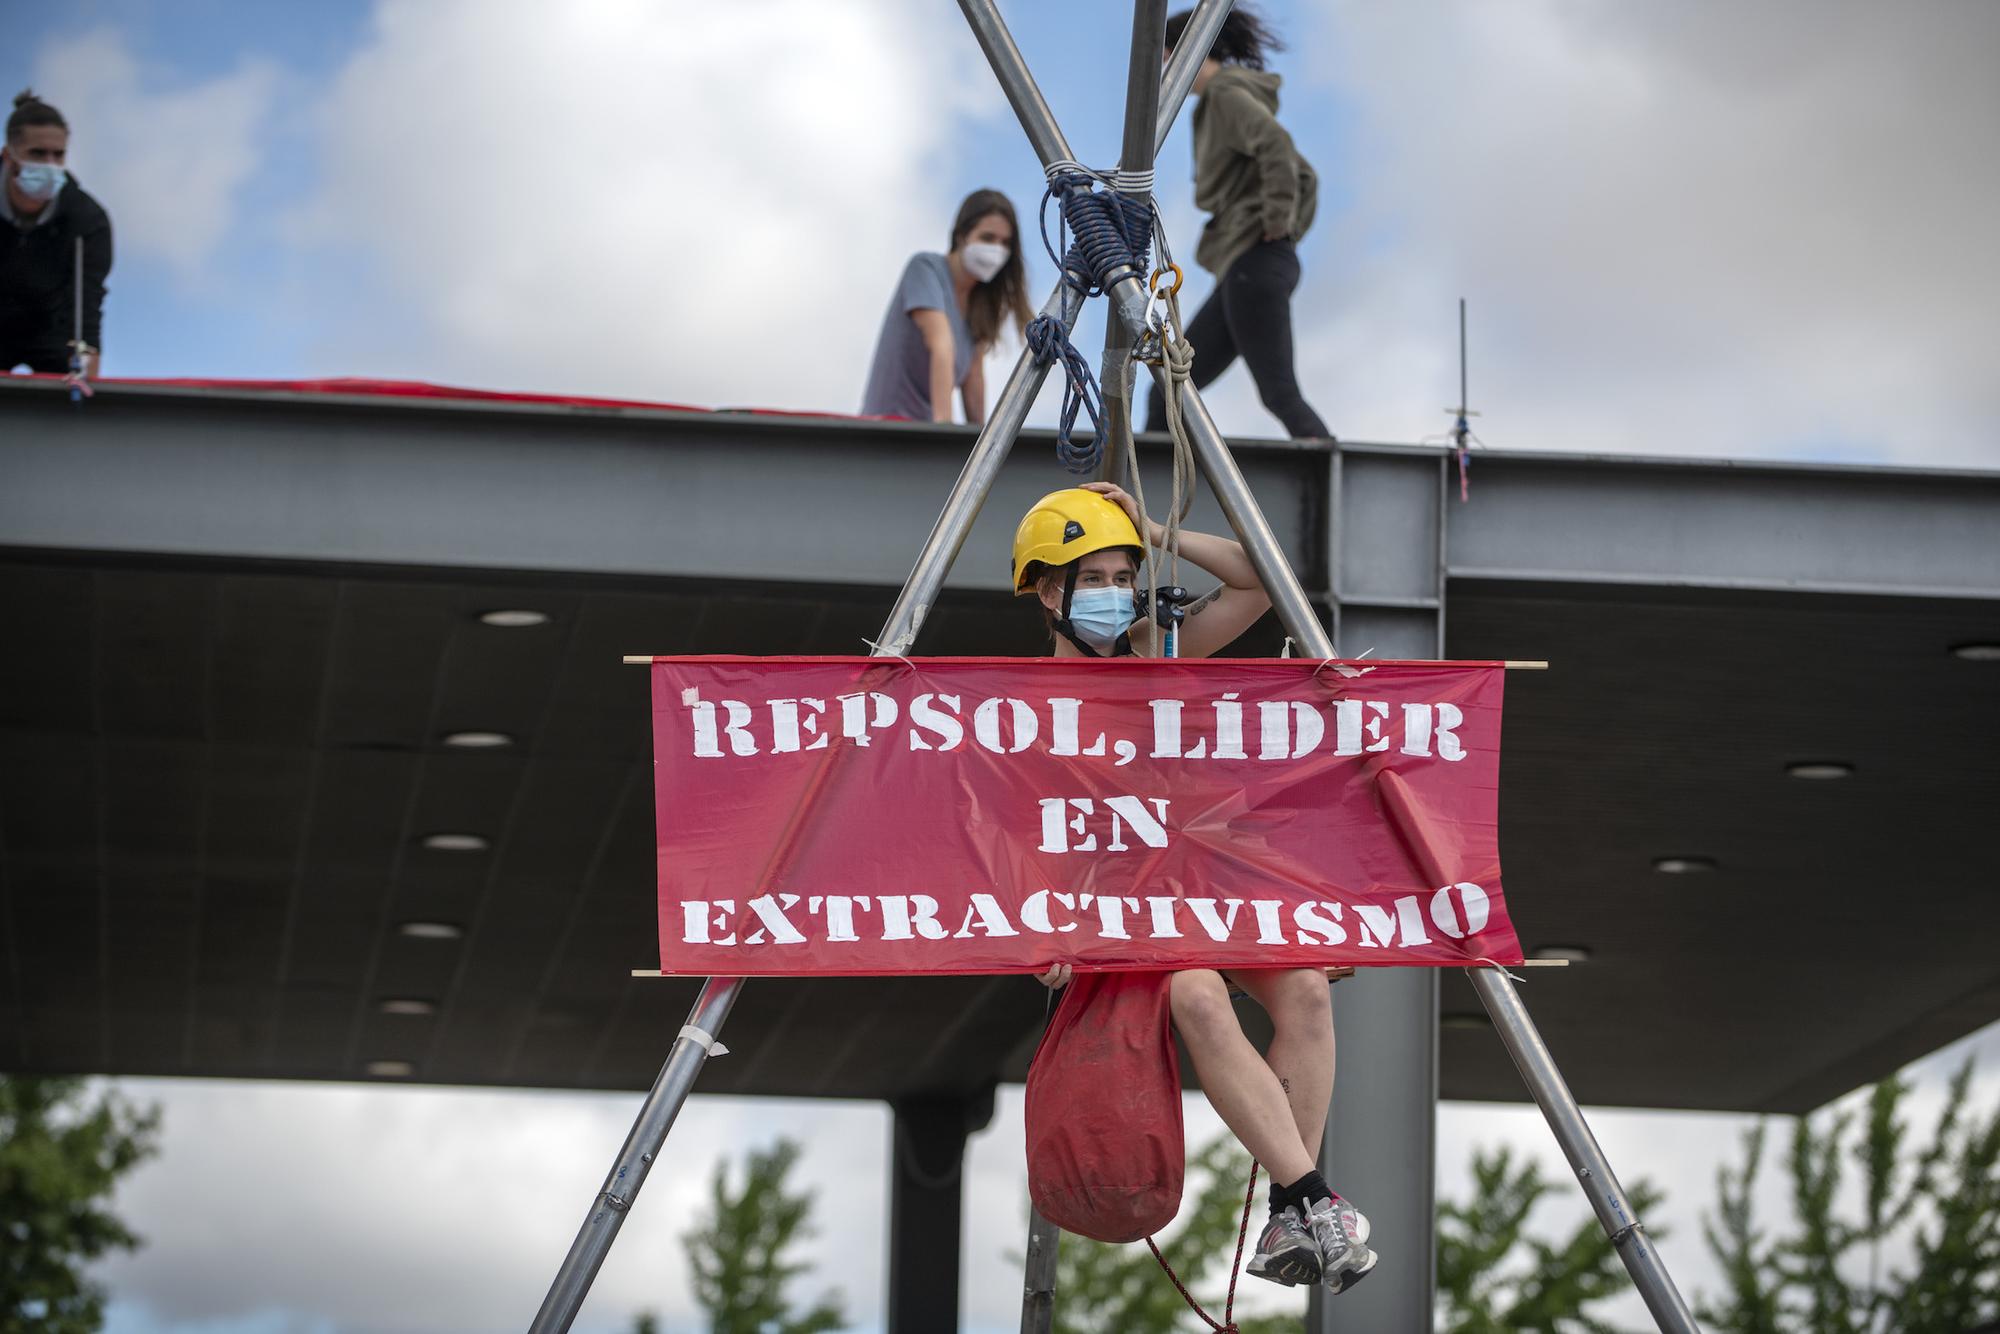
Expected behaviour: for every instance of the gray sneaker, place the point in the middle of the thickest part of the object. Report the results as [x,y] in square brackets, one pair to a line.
[1341,1234]
[1286,1251]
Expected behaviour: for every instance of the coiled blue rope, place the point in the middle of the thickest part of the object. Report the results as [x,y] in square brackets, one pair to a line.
[1113,231]
[1048,341]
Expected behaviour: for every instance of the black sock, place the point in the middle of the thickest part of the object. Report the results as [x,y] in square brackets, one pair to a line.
[1301,1193]
[1308,1190]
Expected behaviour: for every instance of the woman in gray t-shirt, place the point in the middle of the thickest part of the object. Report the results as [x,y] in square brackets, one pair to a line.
[946,314]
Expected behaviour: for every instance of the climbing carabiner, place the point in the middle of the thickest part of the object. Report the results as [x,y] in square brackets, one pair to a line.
[1175,290]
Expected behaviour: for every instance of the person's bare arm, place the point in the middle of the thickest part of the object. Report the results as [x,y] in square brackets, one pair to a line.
[1216,618]
[975,389]
[938,340]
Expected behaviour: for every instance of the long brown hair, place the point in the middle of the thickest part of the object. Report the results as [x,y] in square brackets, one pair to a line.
[1246,39]
[1006,293]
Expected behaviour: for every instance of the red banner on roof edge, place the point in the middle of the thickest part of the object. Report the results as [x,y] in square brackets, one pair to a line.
[872,816]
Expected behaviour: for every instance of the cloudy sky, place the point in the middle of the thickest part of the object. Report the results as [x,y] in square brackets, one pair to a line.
[1700,228]
[1703,228]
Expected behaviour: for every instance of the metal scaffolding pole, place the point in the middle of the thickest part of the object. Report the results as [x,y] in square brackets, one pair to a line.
[1144,120]
[642,1146]
[1593,1170]
[1134,180]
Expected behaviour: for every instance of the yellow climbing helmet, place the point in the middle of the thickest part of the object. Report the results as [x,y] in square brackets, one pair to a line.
[1064,526]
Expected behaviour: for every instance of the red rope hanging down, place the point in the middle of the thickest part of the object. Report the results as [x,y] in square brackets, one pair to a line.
[1227,1325]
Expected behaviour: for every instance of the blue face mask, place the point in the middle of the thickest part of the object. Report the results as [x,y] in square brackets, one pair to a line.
[1098,616]
[40,180]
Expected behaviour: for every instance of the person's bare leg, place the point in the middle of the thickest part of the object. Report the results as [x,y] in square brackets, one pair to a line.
[1240,1086]
[1301,1051]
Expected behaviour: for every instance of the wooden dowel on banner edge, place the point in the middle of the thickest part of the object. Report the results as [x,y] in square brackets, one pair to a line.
[1530,963]
[1512,665]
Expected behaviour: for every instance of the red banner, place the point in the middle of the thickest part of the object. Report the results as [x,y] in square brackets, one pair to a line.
[996,815]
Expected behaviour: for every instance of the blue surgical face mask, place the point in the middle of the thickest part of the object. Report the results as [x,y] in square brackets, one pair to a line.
[1099,615]
[40,180]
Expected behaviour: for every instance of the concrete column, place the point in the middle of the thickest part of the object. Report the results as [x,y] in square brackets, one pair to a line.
[926,1162]
[1386,560]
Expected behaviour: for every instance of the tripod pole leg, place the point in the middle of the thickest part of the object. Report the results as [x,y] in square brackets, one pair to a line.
[1593,1170]
[607,1212]
[1038,1296]
[1510,1016]
[1240,507]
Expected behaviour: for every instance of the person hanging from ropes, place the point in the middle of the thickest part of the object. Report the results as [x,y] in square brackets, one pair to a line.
[946,315]
[45,217]
[1079,553]
[1260,194]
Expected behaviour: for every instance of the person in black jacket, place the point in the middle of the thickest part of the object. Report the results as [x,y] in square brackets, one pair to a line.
[45,215]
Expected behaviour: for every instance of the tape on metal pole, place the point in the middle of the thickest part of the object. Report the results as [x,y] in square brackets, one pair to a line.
[704,1039]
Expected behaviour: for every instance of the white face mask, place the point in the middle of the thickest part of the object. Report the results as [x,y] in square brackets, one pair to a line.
[1099,615]
[40,180]
[983,259]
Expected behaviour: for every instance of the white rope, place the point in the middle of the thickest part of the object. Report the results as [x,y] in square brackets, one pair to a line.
[1063,166]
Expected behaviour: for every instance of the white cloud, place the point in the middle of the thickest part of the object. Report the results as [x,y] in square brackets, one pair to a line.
[445,1211]
[681,200]
[168,165]
[1700,228]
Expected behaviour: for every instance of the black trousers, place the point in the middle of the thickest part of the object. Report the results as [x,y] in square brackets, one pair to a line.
[1250,315]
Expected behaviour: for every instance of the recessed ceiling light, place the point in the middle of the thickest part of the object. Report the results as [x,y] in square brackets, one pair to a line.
[1976,652]
[1465,1023]
[407,1005]
[1683,865]
[455,842]
[1567,953]
[514,618]
[390,1069]
[431,930]
[477,740]
[1820,769]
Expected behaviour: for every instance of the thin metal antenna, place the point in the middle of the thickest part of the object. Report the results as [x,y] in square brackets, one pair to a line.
[1463,397]
[1462,438]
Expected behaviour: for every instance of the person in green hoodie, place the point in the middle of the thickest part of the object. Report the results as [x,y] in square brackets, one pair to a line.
[1260,196]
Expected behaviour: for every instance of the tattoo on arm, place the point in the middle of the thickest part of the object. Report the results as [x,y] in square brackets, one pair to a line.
[1285,1083]
[1200,604]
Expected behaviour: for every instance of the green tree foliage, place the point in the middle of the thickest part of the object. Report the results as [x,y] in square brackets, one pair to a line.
[1102,1287]
[738,1251]
[1937,1200]
[61,1155]
[1493,1278]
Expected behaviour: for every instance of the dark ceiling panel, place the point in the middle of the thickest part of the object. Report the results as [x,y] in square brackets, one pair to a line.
[1663,728]
[217,778]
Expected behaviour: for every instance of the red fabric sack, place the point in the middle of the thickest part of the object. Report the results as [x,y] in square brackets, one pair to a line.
[1106,1152]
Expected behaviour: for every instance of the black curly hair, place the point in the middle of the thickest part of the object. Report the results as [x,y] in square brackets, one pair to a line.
[1246,38]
